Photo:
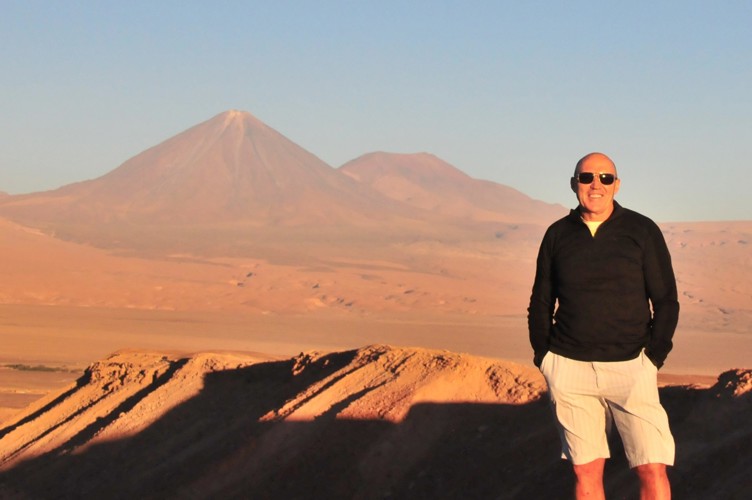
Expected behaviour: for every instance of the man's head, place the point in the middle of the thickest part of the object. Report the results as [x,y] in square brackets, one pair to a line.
[595,192]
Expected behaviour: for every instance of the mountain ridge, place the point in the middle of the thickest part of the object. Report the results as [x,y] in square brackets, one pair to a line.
[233,181]
[427,182]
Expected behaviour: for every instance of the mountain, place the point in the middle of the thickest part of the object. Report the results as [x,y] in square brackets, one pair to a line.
[429,183]
[230,168]
[374,422]
[232,182]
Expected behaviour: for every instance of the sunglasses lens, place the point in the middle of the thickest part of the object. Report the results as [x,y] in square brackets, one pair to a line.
[585,177]
[606,179]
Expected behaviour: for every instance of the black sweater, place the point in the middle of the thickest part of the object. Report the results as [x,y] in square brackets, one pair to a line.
[605,286]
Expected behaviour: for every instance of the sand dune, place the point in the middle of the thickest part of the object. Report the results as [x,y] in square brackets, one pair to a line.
[374,422]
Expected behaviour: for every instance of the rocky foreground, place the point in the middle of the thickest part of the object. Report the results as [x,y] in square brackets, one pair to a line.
[377,422]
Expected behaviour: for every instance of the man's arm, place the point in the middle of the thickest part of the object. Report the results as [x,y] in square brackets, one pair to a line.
[541,309]
[661,287]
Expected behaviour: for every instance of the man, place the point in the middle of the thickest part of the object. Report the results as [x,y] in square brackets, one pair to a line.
[602,314]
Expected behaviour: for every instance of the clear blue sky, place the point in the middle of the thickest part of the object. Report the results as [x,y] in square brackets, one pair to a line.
[510,91]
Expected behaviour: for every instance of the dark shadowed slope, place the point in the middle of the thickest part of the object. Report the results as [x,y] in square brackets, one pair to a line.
[371,423]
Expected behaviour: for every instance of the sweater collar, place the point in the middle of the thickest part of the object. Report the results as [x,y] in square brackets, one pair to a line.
[576,215]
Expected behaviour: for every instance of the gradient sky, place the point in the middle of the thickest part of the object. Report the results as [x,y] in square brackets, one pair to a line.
[509,91]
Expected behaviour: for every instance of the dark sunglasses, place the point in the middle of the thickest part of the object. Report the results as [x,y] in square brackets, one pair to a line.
[589,177]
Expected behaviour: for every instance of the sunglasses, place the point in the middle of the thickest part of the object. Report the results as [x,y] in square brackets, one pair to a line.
[589,177]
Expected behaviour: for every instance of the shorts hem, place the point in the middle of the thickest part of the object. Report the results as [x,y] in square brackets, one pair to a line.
[587,460]
[665,461]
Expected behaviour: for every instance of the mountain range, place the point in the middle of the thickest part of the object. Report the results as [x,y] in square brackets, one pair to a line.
[233,179]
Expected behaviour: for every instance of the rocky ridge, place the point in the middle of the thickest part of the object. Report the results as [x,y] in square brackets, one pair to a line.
[375,422]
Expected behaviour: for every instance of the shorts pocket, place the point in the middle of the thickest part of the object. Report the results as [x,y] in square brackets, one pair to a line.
[543,361]
[646,360]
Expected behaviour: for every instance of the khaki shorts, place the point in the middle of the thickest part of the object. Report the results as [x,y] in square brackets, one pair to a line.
[587,397]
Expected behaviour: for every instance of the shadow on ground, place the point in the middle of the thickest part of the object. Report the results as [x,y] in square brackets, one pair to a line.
[215,446]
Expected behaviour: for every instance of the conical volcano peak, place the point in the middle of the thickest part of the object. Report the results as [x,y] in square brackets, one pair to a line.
[231,168]
[237,116]
[238,119]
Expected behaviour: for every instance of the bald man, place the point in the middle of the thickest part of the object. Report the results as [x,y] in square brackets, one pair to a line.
[602,315]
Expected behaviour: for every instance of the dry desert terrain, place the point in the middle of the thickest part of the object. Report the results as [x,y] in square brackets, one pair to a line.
[225,315]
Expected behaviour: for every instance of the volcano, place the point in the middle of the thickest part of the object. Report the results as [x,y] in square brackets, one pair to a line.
[230,168]
[233,181]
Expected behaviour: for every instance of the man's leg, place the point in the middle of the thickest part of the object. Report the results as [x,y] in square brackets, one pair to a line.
[642,422]
[654,484]
[589,480]
[580,413]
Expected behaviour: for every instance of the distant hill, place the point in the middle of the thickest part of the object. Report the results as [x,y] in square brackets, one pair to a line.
[428,183]
[233,181]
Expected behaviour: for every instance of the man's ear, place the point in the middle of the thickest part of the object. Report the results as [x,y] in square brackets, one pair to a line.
[573,185]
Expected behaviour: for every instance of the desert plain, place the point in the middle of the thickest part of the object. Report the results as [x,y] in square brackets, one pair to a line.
[226,315]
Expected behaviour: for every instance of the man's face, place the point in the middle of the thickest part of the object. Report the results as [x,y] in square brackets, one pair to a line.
[596,199]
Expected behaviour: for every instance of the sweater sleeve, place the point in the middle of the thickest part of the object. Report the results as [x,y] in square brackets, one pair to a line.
[542,301]
[660,285]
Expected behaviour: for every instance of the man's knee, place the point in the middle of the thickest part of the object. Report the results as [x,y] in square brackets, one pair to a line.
[589,480]
[651,471]
[590,471]
[654,483]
